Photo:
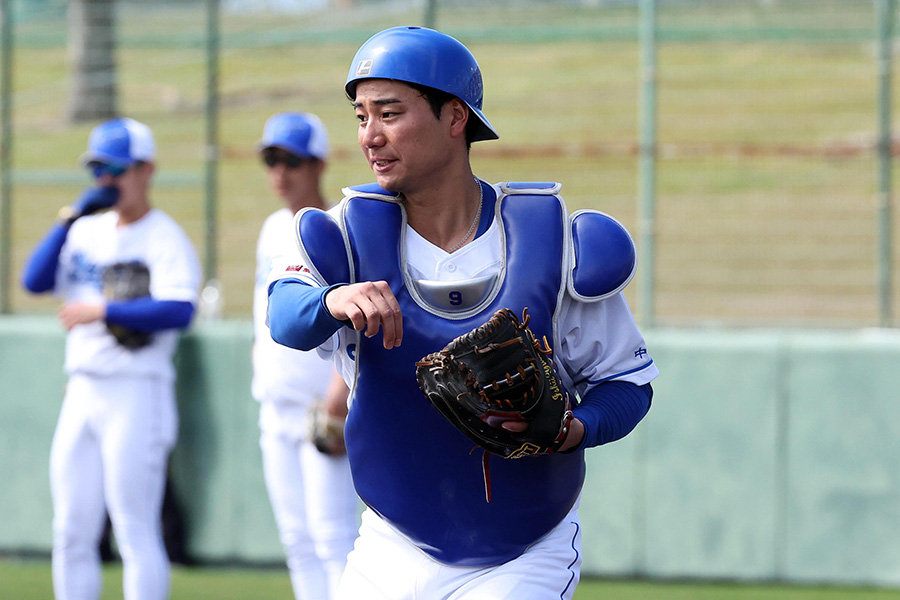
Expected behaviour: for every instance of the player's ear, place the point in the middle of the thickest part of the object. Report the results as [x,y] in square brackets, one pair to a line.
[148,168]
[459,117]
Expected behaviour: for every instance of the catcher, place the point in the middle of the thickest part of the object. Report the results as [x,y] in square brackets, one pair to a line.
[469,320]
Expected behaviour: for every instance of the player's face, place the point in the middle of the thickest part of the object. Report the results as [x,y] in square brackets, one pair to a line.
[289,176]
[405,145]
[133,184]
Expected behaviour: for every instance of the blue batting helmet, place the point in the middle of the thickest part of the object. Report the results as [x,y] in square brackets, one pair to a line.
[424,57]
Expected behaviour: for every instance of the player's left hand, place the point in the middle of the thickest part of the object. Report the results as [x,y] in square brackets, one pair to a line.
[95,199]
[80,313]
[575,436]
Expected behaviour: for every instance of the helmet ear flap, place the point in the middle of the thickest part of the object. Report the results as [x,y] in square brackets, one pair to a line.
[424,57]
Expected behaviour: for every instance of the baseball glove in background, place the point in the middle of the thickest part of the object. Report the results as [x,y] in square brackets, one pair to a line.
[499,373]
[325,431]
[127,281]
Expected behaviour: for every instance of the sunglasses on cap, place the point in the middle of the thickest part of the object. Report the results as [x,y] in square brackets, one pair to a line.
[291,161]
[99,169]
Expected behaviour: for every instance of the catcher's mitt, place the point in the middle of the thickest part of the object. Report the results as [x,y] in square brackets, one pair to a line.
[127,281]
[499,373]
[325,431]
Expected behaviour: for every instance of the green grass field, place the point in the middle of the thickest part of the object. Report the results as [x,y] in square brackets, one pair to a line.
[767,121]
[30,580]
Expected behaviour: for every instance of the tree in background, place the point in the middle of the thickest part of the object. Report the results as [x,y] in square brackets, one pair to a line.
[92,49]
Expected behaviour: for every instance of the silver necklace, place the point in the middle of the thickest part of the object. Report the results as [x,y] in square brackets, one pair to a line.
[474,223]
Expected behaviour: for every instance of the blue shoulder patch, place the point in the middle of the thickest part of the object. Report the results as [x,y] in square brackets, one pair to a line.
[605,256]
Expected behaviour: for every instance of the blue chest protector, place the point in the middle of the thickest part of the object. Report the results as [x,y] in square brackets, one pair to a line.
[409,464]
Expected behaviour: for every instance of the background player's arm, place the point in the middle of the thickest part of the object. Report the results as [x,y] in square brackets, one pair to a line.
[80,313]
[140,314]
[336,397]
[39,274]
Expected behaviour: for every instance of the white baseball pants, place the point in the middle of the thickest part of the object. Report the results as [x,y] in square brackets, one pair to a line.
[386,566]
[312,497]
[110,452]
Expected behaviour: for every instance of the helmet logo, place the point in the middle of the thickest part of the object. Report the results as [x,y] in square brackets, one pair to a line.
[364,68]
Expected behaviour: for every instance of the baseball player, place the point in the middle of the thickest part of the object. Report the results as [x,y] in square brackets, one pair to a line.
[303,402]
[128,281]
[400,268]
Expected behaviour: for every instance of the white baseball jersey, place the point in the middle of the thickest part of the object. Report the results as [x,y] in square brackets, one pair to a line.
[96,242]
[280,373]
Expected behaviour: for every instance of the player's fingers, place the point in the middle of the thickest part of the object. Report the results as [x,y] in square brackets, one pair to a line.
[356,302]
[357,317]
[369,306]
[345,303]
[389,314]
[373,318]
[515,426]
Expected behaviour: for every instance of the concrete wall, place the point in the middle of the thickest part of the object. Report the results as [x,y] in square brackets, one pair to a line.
[766,455]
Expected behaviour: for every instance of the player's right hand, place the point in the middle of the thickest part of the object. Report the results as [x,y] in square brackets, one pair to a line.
[80,313]
[368,305]
[95,199]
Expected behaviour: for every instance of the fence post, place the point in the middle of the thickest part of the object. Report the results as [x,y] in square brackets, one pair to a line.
[211,155]
[6,10]
[430,14]
[647,162]
[885,23]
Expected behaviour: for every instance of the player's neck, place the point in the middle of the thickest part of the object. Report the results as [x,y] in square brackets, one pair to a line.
[133,212]
[311,200]
[446,215]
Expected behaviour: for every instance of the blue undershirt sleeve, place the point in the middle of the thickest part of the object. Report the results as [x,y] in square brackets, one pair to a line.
[297,315]
[612,410]
[39,273]
[147,314]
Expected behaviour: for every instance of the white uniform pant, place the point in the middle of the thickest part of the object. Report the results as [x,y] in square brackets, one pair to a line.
[384,565]
[312,497]
[110,452]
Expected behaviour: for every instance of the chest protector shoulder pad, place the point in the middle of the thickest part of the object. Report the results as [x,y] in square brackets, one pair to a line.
[322,243]
[602,256]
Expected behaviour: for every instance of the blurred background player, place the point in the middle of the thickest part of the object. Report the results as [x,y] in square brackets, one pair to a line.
[436,251]
[128,279]
[303,402]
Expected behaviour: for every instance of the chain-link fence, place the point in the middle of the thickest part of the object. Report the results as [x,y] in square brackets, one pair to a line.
[762,198]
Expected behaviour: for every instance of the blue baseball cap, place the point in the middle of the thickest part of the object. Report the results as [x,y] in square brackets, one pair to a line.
[301,134]
[120,142]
